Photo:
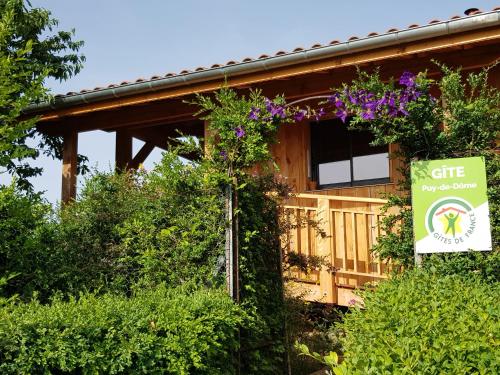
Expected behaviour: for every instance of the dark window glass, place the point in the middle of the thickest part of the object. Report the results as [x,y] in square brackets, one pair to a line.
[342,157]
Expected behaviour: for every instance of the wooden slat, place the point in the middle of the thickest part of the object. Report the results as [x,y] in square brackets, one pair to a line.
[354,241]
[341,198]
[325,250]
[342,235]
[366,274]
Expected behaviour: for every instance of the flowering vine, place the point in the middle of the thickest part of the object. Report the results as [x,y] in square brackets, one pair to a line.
[349,102]
[243,128]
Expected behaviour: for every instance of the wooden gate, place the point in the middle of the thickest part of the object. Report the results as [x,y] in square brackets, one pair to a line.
[342,230]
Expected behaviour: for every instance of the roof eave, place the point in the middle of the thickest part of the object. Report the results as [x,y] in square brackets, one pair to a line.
[454,26]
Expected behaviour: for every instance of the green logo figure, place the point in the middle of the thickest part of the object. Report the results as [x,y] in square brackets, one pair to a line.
[452,220]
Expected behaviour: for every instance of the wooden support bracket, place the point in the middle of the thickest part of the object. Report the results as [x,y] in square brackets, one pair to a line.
[141,156]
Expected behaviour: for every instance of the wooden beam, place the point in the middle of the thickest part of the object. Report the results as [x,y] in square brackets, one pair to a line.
[123,150]
[70,153]
[141,156]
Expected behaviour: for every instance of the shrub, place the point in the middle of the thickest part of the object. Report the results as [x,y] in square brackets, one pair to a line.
[155,331]
[165,226]
[423,323]
[149,228]
[25,233]
[483,264]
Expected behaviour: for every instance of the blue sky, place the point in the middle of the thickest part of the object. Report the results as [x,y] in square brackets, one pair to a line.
[127,39]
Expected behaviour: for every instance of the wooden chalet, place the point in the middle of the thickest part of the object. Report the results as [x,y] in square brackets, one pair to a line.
[337,176]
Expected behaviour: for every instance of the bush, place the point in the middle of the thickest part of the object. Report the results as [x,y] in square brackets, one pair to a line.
[25,232]
[155,331]
[483,264]
[165,226]
[423,323]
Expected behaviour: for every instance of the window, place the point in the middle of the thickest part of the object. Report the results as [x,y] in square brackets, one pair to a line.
[342,157]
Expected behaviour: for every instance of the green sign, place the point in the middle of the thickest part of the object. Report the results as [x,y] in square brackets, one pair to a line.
[450,206]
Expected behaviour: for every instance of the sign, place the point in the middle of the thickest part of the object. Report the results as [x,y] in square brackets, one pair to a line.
[450,206]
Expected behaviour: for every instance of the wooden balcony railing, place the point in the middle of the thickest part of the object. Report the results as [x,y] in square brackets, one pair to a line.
[342,230]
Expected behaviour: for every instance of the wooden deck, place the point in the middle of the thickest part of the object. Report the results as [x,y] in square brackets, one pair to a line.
[342,230]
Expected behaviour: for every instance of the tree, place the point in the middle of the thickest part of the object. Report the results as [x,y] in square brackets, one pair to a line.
[29,53]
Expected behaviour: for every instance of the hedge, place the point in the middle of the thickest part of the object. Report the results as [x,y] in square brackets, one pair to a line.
[155,331]
[423,323]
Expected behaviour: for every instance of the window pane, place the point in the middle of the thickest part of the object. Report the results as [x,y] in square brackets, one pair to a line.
[370,167]
[335,173]
[330,141]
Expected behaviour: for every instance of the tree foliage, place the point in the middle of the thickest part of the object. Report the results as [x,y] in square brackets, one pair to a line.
[30,52]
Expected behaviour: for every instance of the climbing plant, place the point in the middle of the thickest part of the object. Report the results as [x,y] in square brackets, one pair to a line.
[462,121]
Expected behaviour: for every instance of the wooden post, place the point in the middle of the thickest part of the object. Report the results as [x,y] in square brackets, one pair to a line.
[123,150]
[70,153]
[326,278]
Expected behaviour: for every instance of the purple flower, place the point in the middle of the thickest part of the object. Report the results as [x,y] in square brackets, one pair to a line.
[392,100]
[368,114]
[299,115]
[353,98]
[407,79]
[319,114]
[223,154]
[392,112]
[384,100]
[335,99]
[370,105]
[239,131]
[278,111]
[274,109]
[342,114]
[254,113]
[402,109]
[269,104]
